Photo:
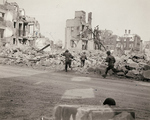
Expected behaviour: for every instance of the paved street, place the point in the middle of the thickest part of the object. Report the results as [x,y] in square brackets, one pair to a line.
[30,94]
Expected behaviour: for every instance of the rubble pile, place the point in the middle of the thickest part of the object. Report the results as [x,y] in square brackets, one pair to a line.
[26,56]
[132,65]
[95,60]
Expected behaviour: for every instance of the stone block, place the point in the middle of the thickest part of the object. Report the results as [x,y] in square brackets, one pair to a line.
[112,114]
[124,116]
[65,112]
[146,74]
[136,72]
[120,73]
[146,67]
[130,74]
[90,69]
[133,65]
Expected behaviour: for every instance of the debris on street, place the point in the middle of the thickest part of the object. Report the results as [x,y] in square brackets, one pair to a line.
[130,65]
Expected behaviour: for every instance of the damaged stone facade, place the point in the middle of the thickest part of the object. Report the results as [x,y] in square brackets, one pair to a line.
[129,42]
[77,34]
[15,27]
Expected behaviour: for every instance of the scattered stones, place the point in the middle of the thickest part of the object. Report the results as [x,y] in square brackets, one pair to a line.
[130,74]
[146,74]
[120,73]
[129,65]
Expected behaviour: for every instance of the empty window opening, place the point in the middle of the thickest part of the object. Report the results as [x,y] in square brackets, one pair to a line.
[1,33]
[24,29]
[84,45]
[20,41]
[1,16]
[82,27]
[20,25]
[24,41]
[73,44]
[14,41]
[14,24]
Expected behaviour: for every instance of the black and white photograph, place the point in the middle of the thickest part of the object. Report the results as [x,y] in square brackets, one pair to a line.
[74,59]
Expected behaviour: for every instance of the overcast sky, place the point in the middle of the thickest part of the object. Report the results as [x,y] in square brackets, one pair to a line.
[115,15]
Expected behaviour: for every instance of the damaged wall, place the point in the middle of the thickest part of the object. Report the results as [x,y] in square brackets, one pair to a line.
[6,26]
[77,33]
[42,42]
[129,41]
[17,28]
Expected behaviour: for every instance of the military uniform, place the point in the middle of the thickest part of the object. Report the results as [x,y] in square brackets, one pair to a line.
[111,60]
[68,58]
[83,58]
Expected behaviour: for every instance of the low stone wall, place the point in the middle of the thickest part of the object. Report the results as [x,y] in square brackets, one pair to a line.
[81,112]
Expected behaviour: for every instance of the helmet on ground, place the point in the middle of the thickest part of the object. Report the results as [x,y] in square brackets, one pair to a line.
[109,101]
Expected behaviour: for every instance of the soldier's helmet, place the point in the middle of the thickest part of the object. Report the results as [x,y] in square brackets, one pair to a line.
[109,101]
[108,53]
[67,51]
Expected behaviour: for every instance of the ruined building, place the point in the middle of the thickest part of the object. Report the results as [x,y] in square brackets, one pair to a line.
[77,34]
[15,27]
[122,44]
[129,42]
[104,39]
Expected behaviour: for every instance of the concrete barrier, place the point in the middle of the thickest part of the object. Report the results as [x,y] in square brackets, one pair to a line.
[79,112]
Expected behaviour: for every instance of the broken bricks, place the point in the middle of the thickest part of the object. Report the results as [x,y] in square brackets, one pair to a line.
[130,65]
